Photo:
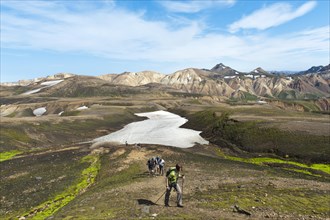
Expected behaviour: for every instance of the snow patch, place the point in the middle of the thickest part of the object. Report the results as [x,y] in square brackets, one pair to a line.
[51,83]
[230,77]
[161,127]
[39,111]
[32,91]
[82,107]
[45,85]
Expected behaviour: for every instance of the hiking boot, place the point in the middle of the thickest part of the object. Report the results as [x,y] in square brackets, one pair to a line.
[180,206]
[166,205]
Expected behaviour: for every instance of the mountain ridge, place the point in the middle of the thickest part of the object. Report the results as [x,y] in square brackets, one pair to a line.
[221,81]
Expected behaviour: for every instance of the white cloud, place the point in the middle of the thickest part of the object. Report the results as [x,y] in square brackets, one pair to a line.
[126,36]
[271,16]
[194,6]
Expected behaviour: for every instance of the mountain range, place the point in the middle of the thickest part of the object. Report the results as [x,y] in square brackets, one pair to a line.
[219,81]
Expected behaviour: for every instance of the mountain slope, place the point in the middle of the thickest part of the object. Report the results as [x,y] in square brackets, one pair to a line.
[221,81]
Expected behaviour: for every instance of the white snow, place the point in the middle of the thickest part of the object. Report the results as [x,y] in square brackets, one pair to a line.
[236,73]
[32,91]
[82,107]
[249,75]
[161,127]
[230,77]
[39,111]
[51,83]
[261,102]
[45,85]
[256,71]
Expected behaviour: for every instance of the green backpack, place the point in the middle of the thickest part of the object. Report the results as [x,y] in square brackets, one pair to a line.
[169,171]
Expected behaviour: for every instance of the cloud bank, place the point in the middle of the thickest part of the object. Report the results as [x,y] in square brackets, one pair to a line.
[118,34]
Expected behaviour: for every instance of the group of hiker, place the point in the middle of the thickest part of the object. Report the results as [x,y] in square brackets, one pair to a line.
[156,167]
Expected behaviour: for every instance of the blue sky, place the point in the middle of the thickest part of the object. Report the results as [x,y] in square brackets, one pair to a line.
[40,38]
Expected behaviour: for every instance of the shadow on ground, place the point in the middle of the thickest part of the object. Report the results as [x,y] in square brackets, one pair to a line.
[146,202]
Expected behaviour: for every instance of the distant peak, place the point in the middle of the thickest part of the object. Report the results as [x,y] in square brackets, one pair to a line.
[259,70]
[219,66]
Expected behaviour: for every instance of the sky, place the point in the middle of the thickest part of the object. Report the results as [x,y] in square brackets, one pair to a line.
[96,37]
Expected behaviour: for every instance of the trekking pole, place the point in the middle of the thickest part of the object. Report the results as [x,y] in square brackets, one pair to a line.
[160,197]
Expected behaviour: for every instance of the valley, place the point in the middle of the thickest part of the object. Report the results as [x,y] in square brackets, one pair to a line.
[263,160]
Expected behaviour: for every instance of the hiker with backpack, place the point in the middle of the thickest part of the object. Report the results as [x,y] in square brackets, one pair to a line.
[151,163]
[172,176]
[161,165]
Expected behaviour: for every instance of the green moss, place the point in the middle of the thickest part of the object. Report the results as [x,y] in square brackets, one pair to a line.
[322,167]
[264,160]
[87,178]
[8,155]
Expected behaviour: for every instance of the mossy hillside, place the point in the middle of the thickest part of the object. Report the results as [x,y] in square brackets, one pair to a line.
[254,137]
[87,178]
[251,137]
[30,180]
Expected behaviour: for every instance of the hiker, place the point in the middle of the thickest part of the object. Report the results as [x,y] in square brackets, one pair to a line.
[161,165]
[172,176]
[151,163]
[157,164]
